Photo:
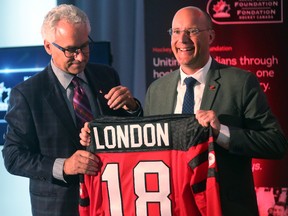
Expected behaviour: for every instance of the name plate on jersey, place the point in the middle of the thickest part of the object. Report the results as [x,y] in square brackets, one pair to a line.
[130,136]
[163,132]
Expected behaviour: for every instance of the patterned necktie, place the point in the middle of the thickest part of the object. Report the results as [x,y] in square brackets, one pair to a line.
[188,103]
[81,104]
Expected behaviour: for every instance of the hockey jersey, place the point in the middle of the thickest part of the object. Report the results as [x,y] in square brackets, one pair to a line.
[157,165]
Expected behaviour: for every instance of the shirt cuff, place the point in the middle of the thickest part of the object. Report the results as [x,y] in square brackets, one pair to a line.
[58,169]
[138,110]
[223,138]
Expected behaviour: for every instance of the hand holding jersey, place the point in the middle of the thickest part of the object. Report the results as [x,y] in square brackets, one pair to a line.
[85,135]
[209,118]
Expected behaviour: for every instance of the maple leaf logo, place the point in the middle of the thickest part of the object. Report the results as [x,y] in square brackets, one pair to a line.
[221,9]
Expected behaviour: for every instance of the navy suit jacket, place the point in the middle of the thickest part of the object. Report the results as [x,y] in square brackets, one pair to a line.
[41,129]
[239,102]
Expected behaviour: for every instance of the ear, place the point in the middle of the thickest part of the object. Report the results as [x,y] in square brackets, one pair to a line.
[47,46]
[211,36]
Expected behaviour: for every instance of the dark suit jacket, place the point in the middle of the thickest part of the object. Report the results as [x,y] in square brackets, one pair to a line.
[238,100]
[41,129]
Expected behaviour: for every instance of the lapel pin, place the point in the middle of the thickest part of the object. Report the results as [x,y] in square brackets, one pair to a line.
[212,87]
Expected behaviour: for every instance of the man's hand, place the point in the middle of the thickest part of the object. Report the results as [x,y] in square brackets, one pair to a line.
[85,135]
[120,97]
[208,117]
[82,162]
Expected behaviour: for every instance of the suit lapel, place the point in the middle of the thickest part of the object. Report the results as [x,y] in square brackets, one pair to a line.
[170,89]
[211,88]
[97,90]
[55,99]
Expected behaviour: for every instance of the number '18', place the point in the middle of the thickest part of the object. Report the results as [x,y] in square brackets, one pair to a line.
[112,177]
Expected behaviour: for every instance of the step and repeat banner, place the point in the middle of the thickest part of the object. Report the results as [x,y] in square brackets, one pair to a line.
[252,35]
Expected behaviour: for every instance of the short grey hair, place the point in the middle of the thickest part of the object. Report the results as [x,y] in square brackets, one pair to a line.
[70,13]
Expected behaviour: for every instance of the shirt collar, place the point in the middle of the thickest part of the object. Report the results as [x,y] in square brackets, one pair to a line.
[200,75]
[64,77]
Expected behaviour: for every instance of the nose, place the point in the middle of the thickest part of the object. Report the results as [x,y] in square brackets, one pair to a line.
[184,36]
[78,55]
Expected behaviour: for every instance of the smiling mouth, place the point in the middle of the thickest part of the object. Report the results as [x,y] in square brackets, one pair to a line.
[185,49]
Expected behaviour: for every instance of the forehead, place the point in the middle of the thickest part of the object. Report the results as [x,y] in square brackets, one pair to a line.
[68,34]
[64,27]
[188,17]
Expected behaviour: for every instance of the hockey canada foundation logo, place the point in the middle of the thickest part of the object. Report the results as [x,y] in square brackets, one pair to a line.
[245,11]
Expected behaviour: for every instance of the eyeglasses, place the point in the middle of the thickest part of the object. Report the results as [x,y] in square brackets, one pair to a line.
[189,32]
[73,51]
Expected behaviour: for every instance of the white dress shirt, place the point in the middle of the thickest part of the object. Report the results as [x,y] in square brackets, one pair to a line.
[201,77]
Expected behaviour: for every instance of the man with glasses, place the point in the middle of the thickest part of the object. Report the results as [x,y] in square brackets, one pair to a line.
[42,140]
[228,99]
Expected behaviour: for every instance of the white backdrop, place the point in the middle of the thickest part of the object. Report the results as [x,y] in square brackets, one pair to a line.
[21,21]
